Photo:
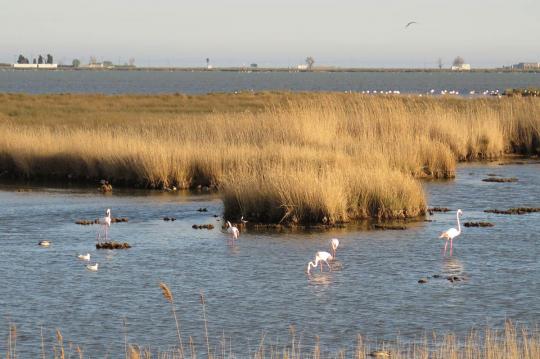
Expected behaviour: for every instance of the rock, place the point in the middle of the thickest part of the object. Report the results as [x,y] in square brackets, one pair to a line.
[166,219]
[478,224]
[202,209]
[112,245]
[380,354]
[500,179]
[422,280]
[438,209]
[517,210]
[203,226]
[436,276]
[119,219]
[389,226]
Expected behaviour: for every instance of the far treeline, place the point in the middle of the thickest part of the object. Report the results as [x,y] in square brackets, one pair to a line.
[290,158]
[40,60]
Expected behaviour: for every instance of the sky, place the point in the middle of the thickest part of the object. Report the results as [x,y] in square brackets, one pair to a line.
[273,33]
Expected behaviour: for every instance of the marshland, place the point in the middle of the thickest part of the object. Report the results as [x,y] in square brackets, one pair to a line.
[271,157]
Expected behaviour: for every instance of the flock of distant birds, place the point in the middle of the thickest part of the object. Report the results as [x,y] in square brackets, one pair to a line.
[431,92]
[320,256]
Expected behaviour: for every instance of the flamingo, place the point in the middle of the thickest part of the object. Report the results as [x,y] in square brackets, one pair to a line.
[106,223]
[233,231]
[334,243]
[92,267]
[320,257]
[452,232]
[84,257]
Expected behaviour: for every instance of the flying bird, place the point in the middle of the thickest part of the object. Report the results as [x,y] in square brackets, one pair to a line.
[320,257]
[410,23]
[452,233]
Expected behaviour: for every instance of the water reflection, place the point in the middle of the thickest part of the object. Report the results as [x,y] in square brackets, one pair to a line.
[451,266]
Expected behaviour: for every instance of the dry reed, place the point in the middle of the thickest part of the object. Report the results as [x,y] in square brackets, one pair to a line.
[276,157]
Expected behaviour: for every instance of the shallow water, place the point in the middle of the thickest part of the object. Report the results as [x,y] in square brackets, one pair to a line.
[259,286]
[145,82]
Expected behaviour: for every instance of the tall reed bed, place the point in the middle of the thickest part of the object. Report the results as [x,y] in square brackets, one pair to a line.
[275,157]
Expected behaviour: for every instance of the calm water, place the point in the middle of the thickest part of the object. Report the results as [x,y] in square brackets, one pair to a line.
[111,82]
[259,286]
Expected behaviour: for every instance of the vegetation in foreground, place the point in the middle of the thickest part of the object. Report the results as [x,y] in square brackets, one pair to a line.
[294,158]
[513,342]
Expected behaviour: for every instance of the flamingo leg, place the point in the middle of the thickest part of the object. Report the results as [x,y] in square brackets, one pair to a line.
[321,266]
[445,245]
[328,266]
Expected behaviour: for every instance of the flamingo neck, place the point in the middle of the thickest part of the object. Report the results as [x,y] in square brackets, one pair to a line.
[458,224]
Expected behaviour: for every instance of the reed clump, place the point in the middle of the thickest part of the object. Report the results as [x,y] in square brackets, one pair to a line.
[275,157]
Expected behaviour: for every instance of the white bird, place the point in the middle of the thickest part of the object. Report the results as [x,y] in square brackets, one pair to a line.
[44,243]
[334,243]
[84,257]
[320,257]
[233,231]
[105,222]
[243,220]
[92,267]
[452,233]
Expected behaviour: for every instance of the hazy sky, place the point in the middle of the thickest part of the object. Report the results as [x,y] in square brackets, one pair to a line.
[273,33]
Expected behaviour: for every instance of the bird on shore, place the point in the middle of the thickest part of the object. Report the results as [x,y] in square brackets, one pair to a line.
[92,267]
[84,257]
[233,231]
[44,243]
[452,233]
[105,223]
[320,257]
[410,23]
[334,244]
[243,221]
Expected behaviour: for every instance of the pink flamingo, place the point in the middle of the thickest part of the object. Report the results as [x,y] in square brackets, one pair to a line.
[233,231]
[320,257]
[452,232]
[334,243]
[105,223]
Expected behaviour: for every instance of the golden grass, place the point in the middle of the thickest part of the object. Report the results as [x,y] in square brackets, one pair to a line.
[294,158]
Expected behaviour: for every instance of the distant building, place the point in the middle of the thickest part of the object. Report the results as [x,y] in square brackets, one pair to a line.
[302,67]
[527,66]
[253,66]
[35,66]
[461,67]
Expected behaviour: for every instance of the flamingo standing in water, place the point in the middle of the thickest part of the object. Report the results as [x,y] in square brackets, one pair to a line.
[233,231]
[334,243]
[320,257]
[105,223]
[452,233]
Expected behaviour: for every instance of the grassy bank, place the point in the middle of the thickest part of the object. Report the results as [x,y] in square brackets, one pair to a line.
[275,157]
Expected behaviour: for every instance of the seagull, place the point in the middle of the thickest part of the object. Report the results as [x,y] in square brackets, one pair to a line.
[410,23]
[44,243]
[92,268]
[84,257]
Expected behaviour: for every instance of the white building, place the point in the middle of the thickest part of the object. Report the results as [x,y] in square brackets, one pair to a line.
[302,67]
[35,66]
[462,67]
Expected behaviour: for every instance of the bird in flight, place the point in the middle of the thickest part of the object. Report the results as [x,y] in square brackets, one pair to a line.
[410,23]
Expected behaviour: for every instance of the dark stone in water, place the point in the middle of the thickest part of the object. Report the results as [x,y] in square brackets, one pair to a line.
[203,226]
[436,276]
[438,209]
[500,179]
[112,245]
[478,224]
[202,210]
[169,219]
[86,222]
[518,210]
[422,280]
[389,226]
[380,354]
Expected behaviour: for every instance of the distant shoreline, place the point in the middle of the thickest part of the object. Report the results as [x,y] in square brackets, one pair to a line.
[273,69]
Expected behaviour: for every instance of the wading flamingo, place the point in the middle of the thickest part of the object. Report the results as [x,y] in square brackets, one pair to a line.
[84,257]
[233,231]
[452,233]
[334,243]
[320,257]
[105,223]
